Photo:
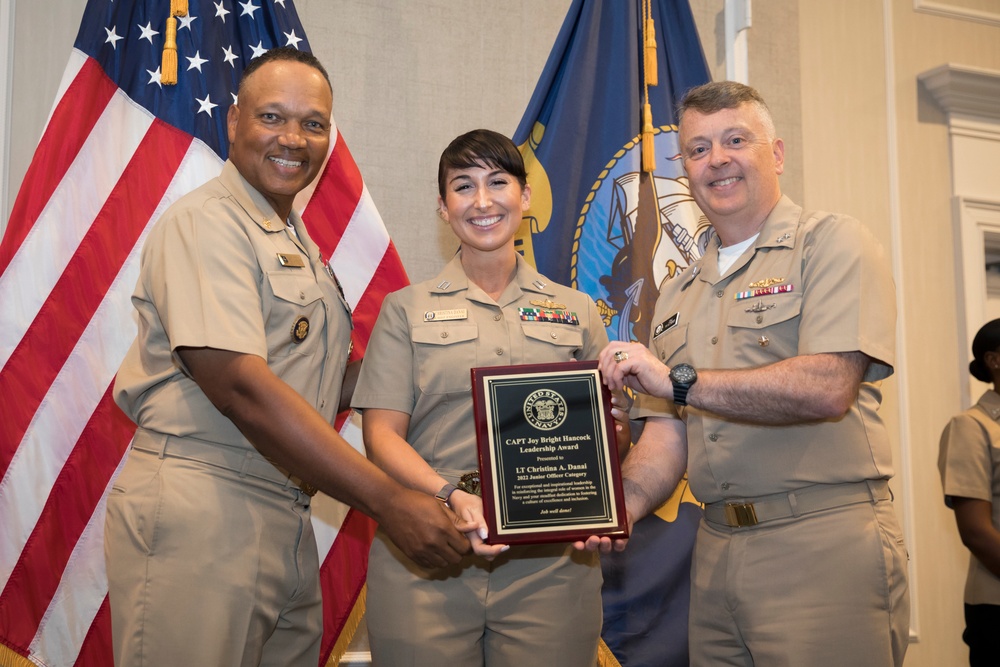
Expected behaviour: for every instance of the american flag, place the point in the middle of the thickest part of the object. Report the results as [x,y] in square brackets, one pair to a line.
[118,149]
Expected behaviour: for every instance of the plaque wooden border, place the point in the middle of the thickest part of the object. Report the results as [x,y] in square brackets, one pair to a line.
[549,469]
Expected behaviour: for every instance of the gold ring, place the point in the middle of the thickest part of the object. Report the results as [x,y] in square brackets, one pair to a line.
[621,355]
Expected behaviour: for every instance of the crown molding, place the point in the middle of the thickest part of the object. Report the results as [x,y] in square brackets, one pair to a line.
[953,11]
[963,91]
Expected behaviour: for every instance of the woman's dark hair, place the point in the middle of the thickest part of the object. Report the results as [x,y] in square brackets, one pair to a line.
[482,148]
[987,340]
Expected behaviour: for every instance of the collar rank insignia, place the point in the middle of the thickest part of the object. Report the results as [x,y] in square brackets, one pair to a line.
[763,291]
[784,237]
[445,315]
[548,315]
[300,330]
[666,325]
[549,305]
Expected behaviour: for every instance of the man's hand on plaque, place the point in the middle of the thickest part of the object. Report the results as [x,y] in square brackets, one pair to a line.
[604,544]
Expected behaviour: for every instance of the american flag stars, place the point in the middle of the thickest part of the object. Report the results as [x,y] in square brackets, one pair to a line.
[215,40]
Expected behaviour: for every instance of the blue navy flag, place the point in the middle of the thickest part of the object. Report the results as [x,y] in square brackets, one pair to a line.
[599,223]
[119,148]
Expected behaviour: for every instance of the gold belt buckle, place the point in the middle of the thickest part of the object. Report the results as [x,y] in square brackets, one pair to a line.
[307,488]
[741,514]
[470,483]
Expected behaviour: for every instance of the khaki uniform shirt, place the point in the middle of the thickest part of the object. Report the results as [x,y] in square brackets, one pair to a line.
[969,460]
[426,340]
[220,270]
[822,285]
[428,336]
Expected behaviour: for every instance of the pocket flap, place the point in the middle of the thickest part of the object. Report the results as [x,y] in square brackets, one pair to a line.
[766,311]
[555,334]
[295,288]
[444,333]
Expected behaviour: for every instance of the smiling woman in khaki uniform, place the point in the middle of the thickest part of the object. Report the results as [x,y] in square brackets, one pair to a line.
[524,605]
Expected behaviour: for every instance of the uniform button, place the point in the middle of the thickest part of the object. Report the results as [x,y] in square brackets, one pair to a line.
[302,295]
[499,351]
[714,437]
[444,334]
[760,318]
[719,294]
[725,486]
[553,334]
[715,339]
[322,404]
[497,317]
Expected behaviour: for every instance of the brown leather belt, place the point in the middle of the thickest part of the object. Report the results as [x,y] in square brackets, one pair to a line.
[752,511]
[248,463]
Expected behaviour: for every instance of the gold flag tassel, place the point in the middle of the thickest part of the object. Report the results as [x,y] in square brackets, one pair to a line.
[168,71]
[649,79]
[650,51]
[178,7]
[649,44]
[648,149]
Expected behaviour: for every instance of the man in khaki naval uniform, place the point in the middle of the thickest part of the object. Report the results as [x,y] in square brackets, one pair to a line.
[234,380]
[769,349]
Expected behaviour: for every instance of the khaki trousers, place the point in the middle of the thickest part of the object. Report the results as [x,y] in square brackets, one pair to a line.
[206,567]
[824,589]
[534,605]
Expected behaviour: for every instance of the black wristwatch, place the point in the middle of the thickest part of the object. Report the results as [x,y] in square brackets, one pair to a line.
[444,495]
[683,376]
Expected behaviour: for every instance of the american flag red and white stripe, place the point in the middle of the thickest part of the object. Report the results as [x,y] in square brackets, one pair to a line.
[118,148]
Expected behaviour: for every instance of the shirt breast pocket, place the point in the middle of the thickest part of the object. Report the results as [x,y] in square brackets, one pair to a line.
[670,347]
[765,328]
[444,354]
[295,316]
[551,343]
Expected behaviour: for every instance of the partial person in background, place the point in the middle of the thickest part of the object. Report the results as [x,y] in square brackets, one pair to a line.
[501,606]
[969,460]
[769,351]
[234,380]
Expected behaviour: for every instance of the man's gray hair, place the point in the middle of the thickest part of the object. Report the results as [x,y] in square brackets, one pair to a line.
[715,96]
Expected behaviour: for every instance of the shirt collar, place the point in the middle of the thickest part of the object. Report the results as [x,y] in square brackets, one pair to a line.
[781,225]
[778,231]
[453,279]
[989,402]
[251,200]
